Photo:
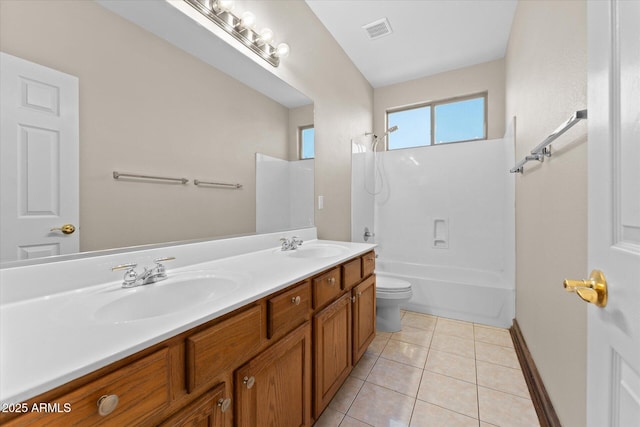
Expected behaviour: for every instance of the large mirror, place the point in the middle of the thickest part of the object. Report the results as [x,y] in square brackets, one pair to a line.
[148,107]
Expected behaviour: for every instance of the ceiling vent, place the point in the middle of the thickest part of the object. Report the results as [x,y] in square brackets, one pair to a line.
[377,29]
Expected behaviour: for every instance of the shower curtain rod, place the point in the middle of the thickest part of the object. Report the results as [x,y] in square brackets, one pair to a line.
[541,149]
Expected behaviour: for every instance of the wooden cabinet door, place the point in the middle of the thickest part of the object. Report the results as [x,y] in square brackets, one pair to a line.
[274,388]
[364,316]
[332,350]
[207,411]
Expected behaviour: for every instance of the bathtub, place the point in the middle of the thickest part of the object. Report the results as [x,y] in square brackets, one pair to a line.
[465,294]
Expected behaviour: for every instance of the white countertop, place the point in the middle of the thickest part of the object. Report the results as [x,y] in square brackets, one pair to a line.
[49,340]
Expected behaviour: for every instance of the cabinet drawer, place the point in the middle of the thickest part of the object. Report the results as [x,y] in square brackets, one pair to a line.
[142,388]
[208,411]
[223,346]
[368,263]
[326,287]
[288,310]
[351,273]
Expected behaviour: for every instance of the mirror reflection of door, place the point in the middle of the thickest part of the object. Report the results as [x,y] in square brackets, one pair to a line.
[39,160]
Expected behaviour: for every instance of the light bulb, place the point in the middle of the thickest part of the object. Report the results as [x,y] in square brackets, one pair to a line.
[225,5]
[282,51]
[248,20]
[266,35]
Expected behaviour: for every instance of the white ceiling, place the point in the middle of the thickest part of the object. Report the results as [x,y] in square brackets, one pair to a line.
[429,36]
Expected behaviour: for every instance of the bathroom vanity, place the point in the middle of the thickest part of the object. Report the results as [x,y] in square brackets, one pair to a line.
[275,356]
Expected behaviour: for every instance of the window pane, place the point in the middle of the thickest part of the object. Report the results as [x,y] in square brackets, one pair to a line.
[307,143]
[459,121]
[414,128]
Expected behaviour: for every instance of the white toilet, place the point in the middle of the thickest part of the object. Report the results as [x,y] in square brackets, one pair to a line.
[390,293]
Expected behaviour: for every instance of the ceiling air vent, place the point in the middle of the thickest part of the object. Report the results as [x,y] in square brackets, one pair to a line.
[377,29]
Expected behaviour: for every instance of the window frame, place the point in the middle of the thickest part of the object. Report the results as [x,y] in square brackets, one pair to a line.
[301,129]
[432,105]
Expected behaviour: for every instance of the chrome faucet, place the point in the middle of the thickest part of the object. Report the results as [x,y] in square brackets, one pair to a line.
[290,244]
[149,275]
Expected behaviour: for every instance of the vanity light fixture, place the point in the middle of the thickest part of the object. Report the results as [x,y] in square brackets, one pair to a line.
[242,28]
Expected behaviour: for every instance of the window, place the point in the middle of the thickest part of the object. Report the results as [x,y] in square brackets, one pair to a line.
[440,122]
[306,137]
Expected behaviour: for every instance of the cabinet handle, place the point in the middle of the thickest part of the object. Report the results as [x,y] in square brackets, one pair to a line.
[249,382]
[224,404]
[353,299]
[296,300]
[107,404]
[359,293]
[331,280]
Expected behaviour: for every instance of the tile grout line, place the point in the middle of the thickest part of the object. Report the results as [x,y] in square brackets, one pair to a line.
[429,348]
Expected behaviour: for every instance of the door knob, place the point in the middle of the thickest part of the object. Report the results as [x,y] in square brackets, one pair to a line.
[66,229]
[593,289]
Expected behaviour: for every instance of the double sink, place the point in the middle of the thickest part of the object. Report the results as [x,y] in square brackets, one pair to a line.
[182,291]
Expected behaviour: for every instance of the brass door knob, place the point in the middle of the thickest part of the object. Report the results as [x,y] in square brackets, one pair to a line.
[592,290]
[66,229]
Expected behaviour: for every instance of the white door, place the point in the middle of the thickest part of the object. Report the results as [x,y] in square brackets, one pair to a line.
[613,363]
[39,160]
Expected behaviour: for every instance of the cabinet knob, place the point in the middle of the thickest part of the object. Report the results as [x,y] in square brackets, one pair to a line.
[249,381]
[353,299]
[107,404]
[331,280]
[296,300]
[224,404]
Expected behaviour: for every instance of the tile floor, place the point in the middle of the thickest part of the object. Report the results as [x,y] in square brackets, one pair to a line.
[436,372]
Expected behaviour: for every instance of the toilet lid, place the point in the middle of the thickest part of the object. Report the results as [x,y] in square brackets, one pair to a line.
[391,284]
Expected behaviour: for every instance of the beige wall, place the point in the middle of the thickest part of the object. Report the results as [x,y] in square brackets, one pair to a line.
[147,107]
[546,74]
[486,77]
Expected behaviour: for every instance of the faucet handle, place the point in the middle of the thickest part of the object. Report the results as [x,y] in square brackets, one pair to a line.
[130,276]
[129,266]
[159,268]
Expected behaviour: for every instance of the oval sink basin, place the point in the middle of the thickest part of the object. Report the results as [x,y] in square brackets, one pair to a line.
[179,292]
[323,250]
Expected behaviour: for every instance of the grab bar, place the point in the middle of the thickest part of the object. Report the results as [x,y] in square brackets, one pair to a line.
[541,151]
[118,175]
[217,184]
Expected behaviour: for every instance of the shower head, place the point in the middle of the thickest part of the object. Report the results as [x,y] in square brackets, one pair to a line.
[377,139]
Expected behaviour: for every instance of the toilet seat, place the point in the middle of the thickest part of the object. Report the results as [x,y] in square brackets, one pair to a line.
[392,288]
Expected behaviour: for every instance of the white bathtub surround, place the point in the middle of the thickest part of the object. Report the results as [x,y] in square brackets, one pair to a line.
[48,337]
[362,188]
[444,221]
[284,193]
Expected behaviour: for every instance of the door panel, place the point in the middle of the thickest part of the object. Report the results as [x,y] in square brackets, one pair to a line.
[613,362]
[39,154]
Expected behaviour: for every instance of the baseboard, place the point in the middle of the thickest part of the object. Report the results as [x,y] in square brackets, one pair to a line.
[541,402]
